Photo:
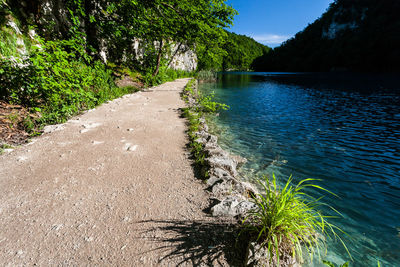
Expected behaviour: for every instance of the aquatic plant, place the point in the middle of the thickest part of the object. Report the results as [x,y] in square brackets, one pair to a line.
[287,222]
[331,264]
[207,75]
[207,104]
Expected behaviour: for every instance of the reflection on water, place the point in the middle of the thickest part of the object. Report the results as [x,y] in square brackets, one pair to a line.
[342,129]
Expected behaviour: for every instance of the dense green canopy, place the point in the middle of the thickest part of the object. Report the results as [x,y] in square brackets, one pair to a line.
[241,52]
[160,25]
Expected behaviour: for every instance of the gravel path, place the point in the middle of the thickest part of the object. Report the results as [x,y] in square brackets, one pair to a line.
[115,187]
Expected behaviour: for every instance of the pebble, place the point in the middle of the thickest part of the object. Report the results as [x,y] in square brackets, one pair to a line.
[97,142]
[53,128]
[89,239]
[56,227]
[91,125]
[132,148]
[21,158]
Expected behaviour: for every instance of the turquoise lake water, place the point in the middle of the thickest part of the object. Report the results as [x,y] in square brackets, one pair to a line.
[344,129]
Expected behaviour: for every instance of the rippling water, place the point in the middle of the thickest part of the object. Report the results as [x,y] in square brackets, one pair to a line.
[342,129]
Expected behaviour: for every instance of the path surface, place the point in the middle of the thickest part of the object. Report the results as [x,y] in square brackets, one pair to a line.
[115,187]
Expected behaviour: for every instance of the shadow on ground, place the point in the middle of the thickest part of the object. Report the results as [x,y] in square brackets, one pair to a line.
[198,243]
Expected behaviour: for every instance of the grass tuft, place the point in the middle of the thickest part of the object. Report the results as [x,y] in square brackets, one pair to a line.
[286,222]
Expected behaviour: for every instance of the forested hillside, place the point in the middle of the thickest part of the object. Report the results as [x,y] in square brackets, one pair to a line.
[358,35]
[241,52]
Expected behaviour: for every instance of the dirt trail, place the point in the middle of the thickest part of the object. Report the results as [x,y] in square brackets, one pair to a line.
[115,187]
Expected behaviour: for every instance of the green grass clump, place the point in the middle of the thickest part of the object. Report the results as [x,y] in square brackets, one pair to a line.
[196,148]
[204,105]
[287,222]
[207,75]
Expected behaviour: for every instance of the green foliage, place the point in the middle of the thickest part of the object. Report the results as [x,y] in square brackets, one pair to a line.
[207,105]
[29,124]
[241,52]
[61,76]
[165,75]
[230,51]
[8,42]
[287,220]
[13,37]
[194,114]
[59,79]
[196,148]
[160,25]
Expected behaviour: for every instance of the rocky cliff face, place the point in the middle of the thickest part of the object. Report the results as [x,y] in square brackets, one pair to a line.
[343,18]
[353,35]
[185,59]
[180,57]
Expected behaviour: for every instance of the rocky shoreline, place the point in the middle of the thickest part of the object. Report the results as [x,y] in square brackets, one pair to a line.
[231,195]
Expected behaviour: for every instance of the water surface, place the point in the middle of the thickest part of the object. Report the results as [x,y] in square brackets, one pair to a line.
[344,129]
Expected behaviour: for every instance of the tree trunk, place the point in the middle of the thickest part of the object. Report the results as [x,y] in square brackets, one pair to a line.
[175,53]
[90,29]
[158,59]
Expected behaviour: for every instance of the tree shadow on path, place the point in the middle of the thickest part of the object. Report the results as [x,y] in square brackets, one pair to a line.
[198,243]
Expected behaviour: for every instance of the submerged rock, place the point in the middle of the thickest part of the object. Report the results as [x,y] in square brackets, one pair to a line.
[240,161]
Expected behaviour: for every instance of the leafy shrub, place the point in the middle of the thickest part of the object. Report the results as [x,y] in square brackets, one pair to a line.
[207,104]
[165,75]
[60,78]
[286,221]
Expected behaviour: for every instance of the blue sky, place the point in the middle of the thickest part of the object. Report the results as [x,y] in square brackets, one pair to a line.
[273,21]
